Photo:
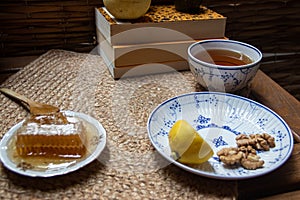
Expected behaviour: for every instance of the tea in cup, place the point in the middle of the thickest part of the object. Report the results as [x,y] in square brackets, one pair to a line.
[223,65]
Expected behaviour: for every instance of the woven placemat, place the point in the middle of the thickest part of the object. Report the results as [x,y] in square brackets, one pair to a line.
[129,167]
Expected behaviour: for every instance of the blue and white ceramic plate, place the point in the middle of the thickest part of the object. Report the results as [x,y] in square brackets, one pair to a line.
[219,118]
[96,141]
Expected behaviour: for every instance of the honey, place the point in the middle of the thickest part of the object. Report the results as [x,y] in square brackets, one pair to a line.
[52,161]
[51,136]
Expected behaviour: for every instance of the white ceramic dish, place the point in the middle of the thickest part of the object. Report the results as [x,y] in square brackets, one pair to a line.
[97,144]
[219,118]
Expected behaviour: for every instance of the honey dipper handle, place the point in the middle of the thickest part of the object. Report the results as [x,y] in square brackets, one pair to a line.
[17,96]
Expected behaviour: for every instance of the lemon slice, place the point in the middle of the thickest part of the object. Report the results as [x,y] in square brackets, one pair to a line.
[187,145]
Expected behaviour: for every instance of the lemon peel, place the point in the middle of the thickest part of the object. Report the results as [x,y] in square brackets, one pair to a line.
[187,145]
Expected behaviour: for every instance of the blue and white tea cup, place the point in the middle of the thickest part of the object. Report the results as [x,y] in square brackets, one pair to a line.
[216,76]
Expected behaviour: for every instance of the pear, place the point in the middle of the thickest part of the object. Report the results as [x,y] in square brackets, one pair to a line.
[127,9]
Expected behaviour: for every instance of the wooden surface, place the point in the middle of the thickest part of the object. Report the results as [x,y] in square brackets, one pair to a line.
[285,181]
[275,97]
[288,195]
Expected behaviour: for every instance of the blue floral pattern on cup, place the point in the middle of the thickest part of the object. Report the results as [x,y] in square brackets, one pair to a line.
[223,78]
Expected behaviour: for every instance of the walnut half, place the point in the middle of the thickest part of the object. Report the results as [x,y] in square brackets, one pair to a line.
[252,161]
[262,141]
[246,156]
[230,155]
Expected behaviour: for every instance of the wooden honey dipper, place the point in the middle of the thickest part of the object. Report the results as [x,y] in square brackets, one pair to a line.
[35,108]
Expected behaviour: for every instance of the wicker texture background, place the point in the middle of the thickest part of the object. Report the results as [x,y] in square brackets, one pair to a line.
[32,27]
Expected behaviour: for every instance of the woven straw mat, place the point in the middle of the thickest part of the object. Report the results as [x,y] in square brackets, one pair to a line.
[129,167]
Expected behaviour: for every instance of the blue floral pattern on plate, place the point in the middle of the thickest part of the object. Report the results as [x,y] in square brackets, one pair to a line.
[219,118]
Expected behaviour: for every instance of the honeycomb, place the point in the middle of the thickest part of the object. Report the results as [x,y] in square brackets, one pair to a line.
[51,137]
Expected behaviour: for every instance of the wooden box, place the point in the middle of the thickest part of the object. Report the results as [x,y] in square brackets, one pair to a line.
[161,37]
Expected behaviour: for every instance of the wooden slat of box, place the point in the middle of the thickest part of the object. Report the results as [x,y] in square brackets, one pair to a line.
[161,18]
